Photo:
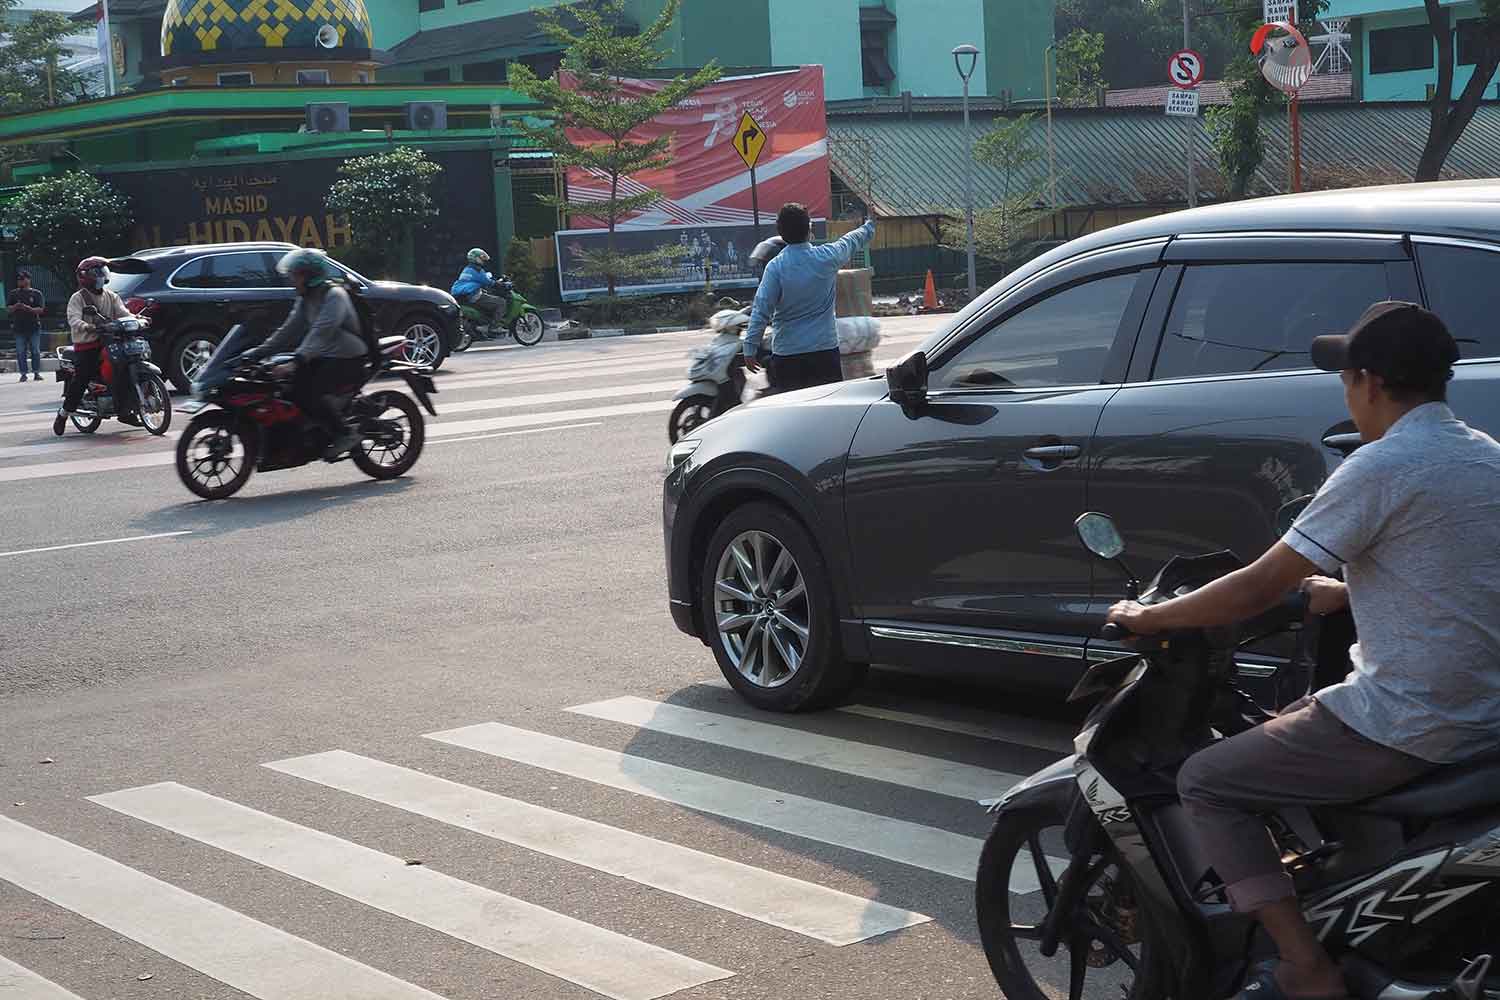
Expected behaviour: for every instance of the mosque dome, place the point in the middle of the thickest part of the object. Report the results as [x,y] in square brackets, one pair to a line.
[202,32]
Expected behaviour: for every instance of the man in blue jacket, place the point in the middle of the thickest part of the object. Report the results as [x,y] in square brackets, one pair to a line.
[477,287]
[797,289]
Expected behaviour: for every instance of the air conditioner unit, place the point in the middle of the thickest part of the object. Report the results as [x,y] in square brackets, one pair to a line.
[332,116]
[426,116]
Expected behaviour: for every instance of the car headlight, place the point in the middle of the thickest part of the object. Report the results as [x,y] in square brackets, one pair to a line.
[681,451]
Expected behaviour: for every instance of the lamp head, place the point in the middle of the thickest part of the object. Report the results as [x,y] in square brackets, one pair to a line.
[965,58]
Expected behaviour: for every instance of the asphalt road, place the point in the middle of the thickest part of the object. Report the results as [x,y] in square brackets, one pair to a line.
[343,739]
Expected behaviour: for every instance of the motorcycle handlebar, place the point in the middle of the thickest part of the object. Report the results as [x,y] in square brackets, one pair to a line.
[1114,632]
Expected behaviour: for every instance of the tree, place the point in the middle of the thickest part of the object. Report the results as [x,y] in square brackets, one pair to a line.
[1450,117]
[1000,229]
[521,267]
[599,60]
[31,55]
[1140,35]
[1079,77]
[61,220]
[385,197]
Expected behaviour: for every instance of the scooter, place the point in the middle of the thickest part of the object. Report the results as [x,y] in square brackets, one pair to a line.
[1091,872]
[716,377]
[521,320]
[124,345]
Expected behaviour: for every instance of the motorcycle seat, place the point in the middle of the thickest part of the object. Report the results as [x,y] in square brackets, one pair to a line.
[1449,790]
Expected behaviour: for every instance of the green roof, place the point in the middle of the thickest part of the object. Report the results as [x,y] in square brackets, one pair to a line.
[914,166]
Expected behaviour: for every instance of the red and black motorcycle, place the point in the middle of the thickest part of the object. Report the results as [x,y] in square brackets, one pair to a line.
[254,425]
[124,347]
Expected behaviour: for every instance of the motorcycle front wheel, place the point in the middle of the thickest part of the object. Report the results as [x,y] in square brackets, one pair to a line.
[1107,947]
[528,329]
[688,415]
[391,434]
[156,405]
[214,459]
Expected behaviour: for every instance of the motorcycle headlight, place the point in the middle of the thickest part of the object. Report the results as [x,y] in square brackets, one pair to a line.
[449,307]
[681,451]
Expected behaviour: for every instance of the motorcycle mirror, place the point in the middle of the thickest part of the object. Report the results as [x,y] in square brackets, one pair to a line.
[907,382]
[1100,536]
[1288,513]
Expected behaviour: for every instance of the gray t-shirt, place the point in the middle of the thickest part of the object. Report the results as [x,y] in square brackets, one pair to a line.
[1414,521]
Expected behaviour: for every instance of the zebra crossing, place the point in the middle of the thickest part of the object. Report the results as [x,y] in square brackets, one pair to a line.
[495,917]
[480,395]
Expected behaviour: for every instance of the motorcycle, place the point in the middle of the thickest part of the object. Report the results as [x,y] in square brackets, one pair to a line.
[716,377]
[521,320]
[252,425]
[1092,856]
[124,345]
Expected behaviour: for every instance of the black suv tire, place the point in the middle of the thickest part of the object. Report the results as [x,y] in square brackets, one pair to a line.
[822,676]
[179,343]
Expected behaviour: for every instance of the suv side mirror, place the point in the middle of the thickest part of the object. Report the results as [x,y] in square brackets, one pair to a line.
[907,382]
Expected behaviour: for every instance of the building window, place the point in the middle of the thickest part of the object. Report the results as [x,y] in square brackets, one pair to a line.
[485,72]
[437,75]
[543,64]
[313,76]
[1397,50]
[236,79]
[1470,41]
[423,6]
[875,26]
[362,76]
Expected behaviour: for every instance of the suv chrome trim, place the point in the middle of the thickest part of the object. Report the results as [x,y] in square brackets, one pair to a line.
[1231,234]
[967,640]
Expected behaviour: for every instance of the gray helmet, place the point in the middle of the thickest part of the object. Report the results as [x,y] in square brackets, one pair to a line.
[765,251]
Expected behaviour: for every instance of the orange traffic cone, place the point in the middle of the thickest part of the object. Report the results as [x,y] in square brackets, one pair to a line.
[929,294]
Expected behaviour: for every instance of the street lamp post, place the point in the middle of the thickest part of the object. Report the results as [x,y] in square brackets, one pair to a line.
[970,53]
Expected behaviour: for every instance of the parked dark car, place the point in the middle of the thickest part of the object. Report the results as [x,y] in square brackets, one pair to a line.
[1156,371]
[195,294]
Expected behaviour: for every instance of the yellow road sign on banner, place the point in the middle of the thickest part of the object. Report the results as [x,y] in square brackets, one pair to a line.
[749,140]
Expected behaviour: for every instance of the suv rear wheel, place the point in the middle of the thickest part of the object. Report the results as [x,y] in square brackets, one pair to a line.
[188,354]
[767,606]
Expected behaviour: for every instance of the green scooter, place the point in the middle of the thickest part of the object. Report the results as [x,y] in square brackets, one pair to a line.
[522,320]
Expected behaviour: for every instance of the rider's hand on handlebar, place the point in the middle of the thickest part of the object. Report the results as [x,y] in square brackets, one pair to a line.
[1325,595]
[1132,616]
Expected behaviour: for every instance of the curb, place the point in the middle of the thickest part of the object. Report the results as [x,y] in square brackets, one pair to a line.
[586,333]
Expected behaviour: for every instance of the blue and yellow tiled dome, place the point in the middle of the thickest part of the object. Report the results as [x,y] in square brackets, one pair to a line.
[202,31]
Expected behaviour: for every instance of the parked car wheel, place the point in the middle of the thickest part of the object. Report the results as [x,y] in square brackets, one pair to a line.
[768,610]
[424,341]
[188,355]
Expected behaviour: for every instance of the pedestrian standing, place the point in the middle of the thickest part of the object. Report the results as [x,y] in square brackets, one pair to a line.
[26,306]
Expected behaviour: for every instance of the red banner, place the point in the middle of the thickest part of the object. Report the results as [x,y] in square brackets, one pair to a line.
[707,182]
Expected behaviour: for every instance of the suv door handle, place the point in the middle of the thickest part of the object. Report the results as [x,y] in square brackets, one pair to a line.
[1344,443]
[1053,452]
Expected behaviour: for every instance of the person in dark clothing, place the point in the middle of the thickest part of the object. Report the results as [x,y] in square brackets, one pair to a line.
[26,307]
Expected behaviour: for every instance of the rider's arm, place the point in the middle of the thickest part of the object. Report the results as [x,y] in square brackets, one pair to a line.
[78,324]
[114,306]
[327,325]
[287,336]
[767,296]
[1242,594]
[847,245]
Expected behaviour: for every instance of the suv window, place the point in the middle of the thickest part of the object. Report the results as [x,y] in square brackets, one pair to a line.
[255,269]
[1232,318]
[1063,339]
[194,274]
[1460,283]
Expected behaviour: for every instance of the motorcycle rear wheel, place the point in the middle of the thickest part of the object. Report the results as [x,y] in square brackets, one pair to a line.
[1108,948]
[86,423]
[206,463]
[688,416]
[378,455]
[465,338]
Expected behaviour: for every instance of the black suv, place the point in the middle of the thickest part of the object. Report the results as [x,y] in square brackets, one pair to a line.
[1157,371]
[194,294]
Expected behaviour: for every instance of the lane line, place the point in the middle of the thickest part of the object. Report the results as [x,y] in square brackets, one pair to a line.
[1007,728]
[243,953]
[104,541]
[863,760]
[550,398]
[882,836]
[19,983]
[608,963]
[534,430]
[802,907]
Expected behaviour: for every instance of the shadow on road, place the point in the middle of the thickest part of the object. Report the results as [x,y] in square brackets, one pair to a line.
[222,517]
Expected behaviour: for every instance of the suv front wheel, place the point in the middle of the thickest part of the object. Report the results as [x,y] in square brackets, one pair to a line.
[768,610]
[188,356]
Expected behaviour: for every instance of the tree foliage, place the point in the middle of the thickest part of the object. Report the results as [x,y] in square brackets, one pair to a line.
[61,220]
[28,49]
[1450,116]
[386,197]
[1002,230]
[599,59]
[1079,76]
[1140,35]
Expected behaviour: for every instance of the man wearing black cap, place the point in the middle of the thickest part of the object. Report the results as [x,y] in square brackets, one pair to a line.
[1413,520]
[25,309]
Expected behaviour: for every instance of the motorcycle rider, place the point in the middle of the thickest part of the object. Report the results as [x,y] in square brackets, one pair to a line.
[797,289]
[479,288]
[1410,518]
[330,352]
[89,309]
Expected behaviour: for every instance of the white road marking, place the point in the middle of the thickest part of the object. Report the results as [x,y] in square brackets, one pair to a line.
[882,836]
[608,963]
[534,430]
[803,907]
[20,983]
[103,541]
[1009,728]
[864,760]
[552,398]
[249,956]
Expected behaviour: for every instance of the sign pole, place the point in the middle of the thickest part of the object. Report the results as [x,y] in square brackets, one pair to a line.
[749,139]
[755,203]
[1192,123]
[1296,143]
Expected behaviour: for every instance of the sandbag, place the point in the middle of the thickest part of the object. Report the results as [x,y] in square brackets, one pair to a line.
[857,334]
[852,292]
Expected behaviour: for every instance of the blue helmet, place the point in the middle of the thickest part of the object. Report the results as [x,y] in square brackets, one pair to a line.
[313,263]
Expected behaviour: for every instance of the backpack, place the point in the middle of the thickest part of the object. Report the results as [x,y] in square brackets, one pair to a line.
[367,327]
